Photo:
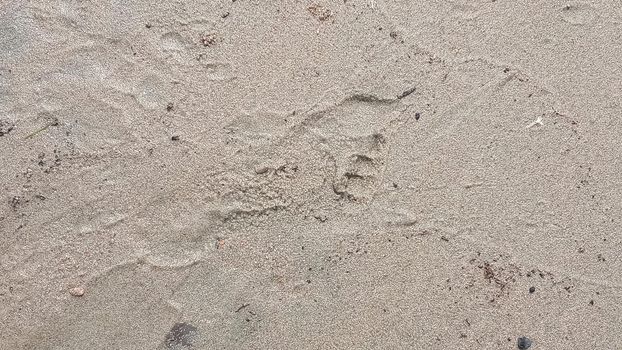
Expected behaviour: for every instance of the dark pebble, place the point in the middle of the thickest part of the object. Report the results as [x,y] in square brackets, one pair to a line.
[532,289]
[175,138]
[523,343]
[417,116]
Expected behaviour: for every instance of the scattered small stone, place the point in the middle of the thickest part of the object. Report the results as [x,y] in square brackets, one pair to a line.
[148,25]
[169,106]
[417,116]
[77,291]
[225,15]
[15,202]
[532,290]
[523,343]
[320,12]
[591,302]
[209,40]
[6,127]
[175,138]
[321,218]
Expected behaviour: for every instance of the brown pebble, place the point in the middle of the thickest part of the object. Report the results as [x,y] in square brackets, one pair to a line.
[77,291]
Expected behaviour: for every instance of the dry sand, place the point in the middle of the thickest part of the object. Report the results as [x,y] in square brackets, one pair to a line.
[351,174]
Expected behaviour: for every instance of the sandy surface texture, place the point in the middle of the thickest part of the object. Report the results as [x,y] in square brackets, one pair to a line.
[297,174]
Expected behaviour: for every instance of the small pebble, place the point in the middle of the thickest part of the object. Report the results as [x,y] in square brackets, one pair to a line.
[175,138]
[523,343]
[261,169]
[532,289]
[77,291]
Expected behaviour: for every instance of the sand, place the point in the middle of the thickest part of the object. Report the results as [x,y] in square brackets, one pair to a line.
[293,174]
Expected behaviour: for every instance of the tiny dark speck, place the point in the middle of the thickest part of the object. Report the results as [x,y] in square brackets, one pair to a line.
[532,289]
[175,138]
[523,343]
[417,116]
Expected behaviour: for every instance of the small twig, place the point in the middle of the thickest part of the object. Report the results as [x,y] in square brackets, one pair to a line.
[242,307]
[406,92]
[34,133]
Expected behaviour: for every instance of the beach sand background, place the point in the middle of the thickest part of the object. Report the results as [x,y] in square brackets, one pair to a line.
[349,174]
